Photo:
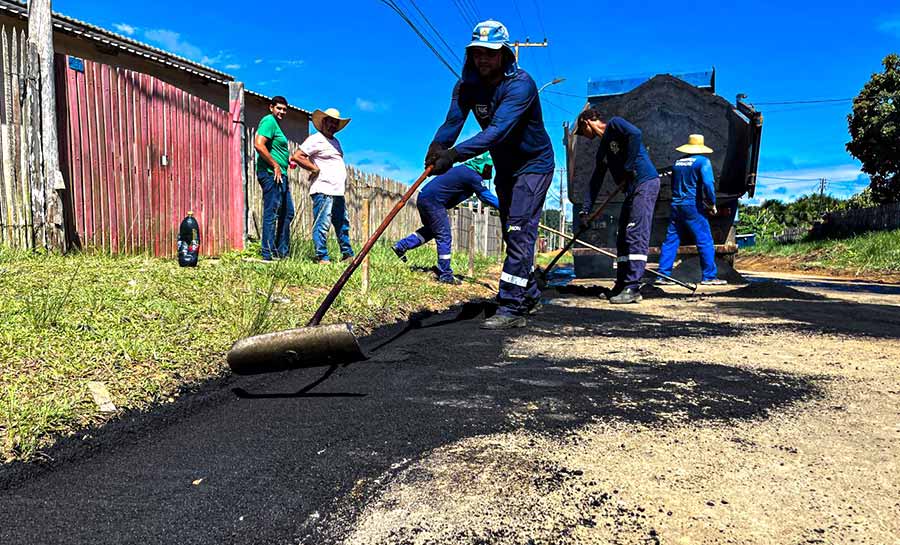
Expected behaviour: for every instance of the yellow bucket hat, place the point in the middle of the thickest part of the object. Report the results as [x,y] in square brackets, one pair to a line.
[695,145]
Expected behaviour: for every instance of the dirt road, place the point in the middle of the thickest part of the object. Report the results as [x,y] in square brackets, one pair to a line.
[755,415]
[759,415]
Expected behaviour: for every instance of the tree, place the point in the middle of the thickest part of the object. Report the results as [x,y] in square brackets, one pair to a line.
[875,131]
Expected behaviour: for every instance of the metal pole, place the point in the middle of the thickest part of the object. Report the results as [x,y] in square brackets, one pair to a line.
[472,248]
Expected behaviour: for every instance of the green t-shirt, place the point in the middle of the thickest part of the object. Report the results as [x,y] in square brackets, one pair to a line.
[277,146]
[479,163]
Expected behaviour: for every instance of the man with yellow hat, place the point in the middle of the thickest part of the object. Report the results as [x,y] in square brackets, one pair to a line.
[321,154]
[693,197]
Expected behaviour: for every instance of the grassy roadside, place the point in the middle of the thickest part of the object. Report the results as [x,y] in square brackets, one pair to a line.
[877,252]
[146,328]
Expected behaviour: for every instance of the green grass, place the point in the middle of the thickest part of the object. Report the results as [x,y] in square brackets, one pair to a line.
[869,252]
[146,328]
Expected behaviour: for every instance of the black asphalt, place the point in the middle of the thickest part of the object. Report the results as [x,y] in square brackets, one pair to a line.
[279,454]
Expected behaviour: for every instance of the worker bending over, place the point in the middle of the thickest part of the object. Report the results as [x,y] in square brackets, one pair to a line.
[622,152]
[441,194]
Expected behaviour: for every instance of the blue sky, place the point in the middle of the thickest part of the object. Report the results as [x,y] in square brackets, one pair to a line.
[361,58]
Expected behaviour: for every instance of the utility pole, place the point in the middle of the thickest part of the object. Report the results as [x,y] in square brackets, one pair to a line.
[516,45]
[562,206]
[822,183]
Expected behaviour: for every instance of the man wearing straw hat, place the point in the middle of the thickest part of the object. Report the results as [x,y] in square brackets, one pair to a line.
[693,196]
[505,102]
[322,156]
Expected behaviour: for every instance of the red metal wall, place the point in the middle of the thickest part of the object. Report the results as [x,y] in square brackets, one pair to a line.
[138,154]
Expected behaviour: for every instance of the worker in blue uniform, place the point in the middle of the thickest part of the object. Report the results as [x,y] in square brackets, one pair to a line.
[441,194]
[693,197]
[622,152]
[505,102]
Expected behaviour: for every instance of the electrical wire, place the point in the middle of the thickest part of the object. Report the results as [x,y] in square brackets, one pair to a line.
[467,19]
[436,32]
[560,93]
[540,16]
[391,4]
[474,9]
[786,102]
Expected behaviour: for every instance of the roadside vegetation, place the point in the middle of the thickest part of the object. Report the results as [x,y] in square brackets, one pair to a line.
[147,328]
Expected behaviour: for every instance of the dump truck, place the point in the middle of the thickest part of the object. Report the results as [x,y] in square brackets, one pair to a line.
[668,108]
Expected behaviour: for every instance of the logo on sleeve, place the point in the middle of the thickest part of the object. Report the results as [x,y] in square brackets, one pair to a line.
[482,110]
[614,147]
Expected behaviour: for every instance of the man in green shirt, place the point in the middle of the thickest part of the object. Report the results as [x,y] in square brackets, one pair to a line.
[273,156]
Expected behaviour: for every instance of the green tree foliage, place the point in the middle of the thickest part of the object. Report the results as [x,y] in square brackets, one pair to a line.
[772,216]
[875,131]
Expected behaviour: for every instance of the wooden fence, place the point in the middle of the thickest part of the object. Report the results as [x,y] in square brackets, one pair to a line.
[15,194]
[848,222]
[139,154]
[383,194]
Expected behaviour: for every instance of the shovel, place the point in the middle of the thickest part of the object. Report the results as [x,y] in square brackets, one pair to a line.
[314,345]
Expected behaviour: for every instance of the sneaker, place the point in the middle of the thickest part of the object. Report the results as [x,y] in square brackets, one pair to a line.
[614,291]
[452,280]
[323,262]
[662,282]
[714,282]
[400,254]
[503,321]
[628,295]
[347,258]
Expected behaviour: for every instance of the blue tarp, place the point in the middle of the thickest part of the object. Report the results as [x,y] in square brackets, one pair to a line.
[620,85]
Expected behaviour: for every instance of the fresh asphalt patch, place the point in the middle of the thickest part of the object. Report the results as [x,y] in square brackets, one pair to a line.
[269,459]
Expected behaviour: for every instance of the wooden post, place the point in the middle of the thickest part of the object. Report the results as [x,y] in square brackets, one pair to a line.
[239,147]
[366,234]
[31,153]
[472,248]
[40,36]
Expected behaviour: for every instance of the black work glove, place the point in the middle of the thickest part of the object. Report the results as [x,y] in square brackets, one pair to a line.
[584,218]
[487,173]
[434,150]
[444,161]
[630,177]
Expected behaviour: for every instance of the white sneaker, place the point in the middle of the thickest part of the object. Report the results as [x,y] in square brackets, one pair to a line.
[714,282]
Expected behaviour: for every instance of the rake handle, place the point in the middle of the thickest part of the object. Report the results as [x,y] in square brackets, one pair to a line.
[357,261]
[584,228]
[692,287]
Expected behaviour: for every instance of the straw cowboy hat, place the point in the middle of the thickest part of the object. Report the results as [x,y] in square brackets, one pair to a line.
[319,116]
[694,145]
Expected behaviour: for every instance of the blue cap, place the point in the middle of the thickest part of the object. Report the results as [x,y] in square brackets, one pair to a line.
[490,35]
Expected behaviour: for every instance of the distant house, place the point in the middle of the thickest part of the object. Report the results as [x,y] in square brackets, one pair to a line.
[86,41]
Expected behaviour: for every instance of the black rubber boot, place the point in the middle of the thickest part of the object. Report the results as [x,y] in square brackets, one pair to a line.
[400,253]
[628,295]
[502,321]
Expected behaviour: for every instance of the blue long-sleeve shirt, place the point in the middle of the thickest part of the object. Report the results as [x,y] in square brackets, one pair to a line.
[511,120]
[455,186]
[621,151]
[693,182]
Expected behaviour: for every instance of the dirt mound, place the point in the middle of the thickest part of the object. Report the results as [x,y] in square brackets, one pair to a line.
[771,290]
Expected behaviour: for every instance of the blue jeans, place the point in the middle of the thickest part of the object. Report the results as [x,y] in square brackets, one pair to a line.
[686,221]
[328,211]
[278,212]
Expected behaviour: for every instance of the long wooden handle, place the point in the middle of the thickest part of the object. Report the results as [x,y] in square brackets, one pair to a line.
[357,261]
[580,232]
[692,287]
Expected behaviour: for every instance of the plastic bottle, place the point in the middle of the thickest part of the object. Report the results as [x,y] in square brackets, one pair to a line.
[188,241]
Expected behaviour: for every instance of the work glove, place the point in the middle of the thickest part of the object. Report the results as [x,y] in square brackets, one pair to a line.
[630,177]
[434,150]
[487,173]
[584,219]
[444,161]
[713,211]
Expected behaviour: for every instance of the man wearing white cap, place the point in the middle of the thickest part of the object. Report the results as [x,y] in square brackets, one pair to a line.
[693,196]
[321,154]
[505,102]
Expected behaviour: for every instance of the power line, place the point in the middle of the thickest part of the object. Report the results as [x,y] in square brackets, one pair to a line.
[557,106]
[436,32]
[560,93]
[466,17]
[789,179]
[537,7]
[391,4]
[474,9]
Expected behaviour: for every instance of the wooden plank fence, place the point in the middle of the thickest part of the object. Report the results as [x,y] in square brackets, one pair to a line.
[848,222]
[15,183]
[140,153]
[383,194]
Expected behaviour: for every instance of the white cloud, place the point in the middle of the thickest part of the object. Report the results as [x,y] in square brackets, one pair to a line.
[232,66]
[171,41]
[790,184]
[258,61]
[384,163]
[891,26]
[366,105]
[126,29]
